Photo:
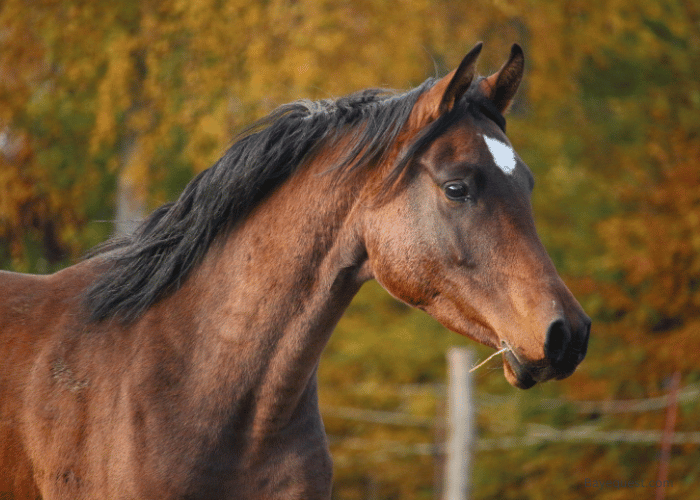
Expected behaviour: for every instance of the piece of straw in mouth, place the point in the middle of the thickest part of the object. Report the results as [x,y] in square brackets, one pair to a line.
[506,348]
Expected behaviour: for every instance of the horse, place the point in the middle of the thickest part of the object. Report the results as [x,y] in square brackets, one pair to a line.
[179,361]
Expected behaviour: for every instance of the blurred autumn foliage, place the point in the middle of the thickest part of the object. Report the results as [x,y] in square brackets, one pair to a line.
[132,98]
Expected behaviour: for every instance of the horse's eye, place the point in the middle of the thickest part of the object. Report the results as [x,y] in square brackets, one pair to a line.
[456,191]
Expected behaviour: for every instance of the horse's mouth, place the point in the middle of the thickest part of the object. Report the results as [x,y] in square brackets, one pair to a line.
[526,374]
[516,373]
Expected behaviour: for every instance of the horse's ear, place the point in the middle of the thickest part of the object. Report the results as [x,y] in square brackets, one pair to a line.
[442,97]
[501,87]
[461,80]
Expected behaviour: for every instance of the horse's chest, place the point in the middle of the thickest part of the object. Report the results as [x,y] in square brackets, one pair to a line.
[295,468]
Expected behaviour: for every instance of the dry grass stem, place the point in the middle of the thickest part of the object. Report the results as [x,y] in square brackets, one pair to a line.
[487,359]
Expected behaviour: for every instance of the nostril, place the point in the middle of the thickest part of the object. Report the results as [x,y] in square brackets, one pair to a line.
[584,338]
[558,337]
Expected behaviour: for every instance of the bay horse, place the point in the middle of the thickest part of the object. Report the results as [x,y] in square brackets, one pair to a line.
[179,362]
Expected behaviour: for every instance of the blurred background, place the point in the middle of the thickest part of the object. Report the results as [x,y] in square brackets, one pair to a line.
[107,110]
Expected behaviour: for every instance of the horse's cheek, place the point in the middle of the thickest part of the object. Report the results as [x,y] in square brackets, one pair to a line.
[408,273]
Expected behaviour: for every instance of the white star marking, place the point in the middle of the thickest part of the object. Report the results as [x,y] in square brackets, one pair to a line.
[502,153]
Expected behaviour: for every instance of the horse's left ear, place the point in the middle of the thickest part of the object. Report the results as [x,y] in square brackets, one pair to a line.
[501,87]
[446,92]
[460,80]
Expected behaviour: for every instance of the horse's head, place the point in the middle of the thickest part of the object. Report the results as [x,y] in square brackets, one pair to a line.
[456,237]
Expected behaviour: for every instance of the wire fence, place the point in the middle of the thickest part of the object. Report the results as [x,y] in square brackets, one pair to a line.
[532,435]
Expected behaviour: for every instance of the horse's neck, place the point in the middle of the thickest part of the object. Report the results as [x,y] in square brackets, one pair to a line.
[274,291]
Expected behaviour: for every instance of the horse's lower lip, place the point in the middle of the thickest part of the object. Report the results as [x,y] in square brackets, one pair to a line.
[523,377]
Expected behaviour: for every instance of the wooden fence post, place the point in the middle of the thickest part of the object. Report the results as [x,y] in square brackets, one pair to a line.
[460,424]
[667,439]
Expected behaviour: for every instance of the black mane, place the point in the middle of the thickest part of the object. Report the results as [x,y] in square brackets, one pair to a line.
[142,267]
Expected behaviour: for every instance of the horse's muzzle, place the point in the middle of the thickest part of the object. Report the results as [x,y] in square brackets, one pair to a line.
[565,347]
